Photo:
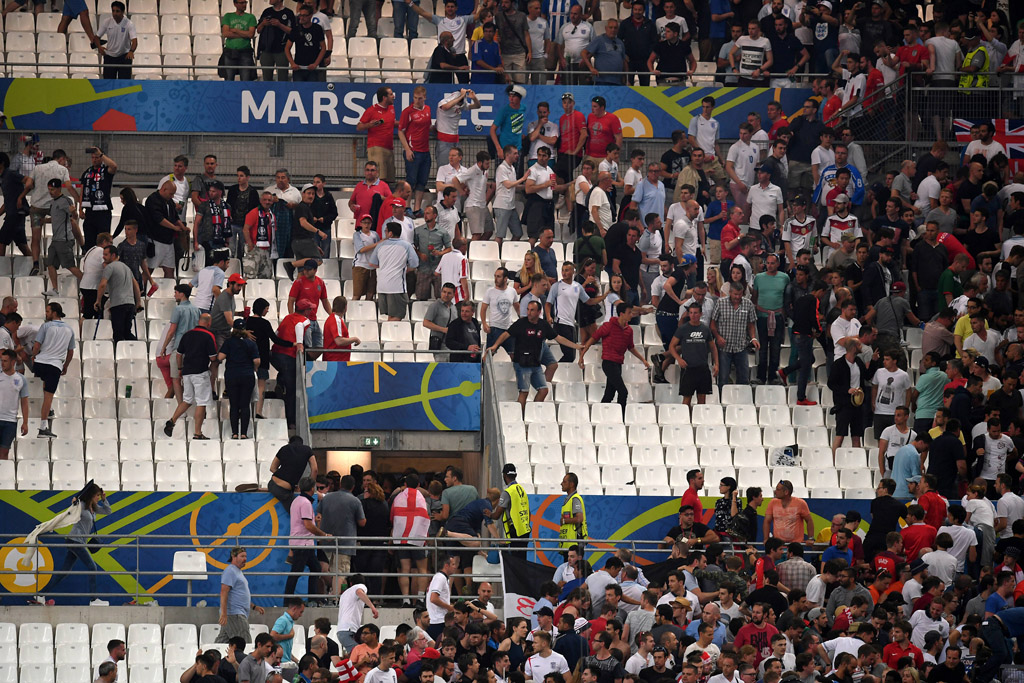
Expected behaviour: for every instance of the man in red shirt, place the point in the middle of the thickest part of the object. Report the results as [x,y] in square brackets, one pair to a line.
[361,200]
[831,102]
[731,235]
[603,128]
[777,120]
[336,331]
[292,329]
[414,134]
[916,534]
[900,646]
[913,54]
[311,288]
[572,134]
[890,558]
[618,338]
[379,121]
[934,505]
[694,483]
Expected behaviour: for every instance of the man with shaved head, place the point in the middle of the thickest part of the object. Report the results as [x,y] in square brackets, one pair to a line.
[599,205]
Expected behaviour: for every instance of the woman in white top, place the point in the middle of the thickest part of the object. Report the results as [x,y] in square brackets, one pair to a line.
[981,514]
[615,294]
[580,190]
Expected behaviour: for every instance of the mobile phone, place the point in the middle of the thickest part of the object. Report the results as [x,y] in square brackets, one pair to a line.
[90,150]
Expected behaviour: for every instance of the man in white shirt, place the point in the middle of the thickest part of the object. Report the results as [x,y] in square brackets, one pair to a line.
[449,118]
[846,326]
[350,610]
[751,56]
[572,39]
[40,198]
[925,620]
[889,386]
[993,449]
[472,183]
[766,199]
[642,658]
[541,132]
[601,579]
[499,302]
[439,596]
[446,173]
[454,269]
[448,218]
[703,132]
[985,145]
[599,206]
[122,42]
[1009,507]
[393,258]
[51,353]
[506,218]
[560,308]
[893,438]
[544,660]
[929,188]
[739,166]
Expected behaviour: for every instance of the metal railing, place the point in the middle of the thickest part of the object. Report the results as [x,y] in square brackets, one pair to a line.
[142,546]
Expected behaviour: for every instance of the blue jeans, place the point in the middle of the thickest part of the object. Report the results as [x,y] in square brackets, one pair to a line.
[77,552]
[667,326]
[771,347]
[927,304]
[405,16]
[492,336]
[727,361]
[417,171]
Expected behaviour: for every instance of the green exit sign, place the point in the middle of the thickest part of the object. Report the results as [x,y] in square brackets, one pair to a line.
[371,441]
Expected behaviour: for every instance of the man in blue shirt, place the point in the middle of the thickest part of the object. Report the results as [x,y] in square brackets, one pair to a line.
[283,631]
[649,194]
[841,550]
[997,632]
[906,464]
[507,128]
[486,59]
[605,57]
[235,600]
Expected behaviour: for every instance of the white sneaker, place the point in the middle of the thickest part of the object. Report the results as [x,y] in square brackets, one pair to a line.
[50,292]
[99,603]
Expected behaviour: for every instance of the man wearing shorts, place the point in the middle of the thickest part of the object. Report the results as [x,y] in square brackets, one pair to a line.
[13,391]
[505,184]
[414,134]
[14,187]
[472,182]
[689,346]
[164,227]
[530,334]
[393,258]
[42,197]
[184,317]
[53,350]
[76,9]
[196,350]
[64,219]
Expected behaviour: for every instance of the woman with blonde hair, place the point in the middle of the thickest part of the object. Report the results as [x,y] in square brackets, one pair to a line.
[714,280]
[524,277]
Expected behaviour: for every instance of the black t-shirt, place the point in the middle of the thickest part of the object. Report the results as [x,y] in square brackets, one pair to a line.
[698,530]
[307,43]
[674,163]
[196,347]
[159,209]
[977,243]
[667,304]
[615,237]
[943,674]
[299,233]
[629,264]
[272,39]
[241,353]
[437,74]
[785,51]
[292,459]
[332,650]
[770,595]
[671,57]
[226,671]
[529,340]
[968,191]
[610,669]
[12,184]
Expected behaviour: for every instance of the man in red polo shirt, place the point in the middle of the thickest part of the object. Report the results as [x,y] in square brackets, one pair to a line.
[336,331]
[572,134]
[916,534]
[361,200]
[618,338]
[900,646]
[379,121]
[414,134]
[603,128]
[311,288]
[913,54]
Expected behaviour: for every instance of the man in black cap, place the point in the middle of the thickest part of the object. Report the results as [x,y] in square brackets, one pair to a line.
[212,227]
[513,508]
[304,230]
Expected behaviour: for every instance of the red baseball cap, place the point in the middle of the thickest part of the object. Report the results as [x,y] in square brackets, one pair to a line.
[304,305]
[235,277]
[397,201]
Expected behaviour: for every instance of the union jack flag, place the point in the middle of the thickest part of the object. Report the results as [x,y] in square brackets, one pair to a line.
[1009,133]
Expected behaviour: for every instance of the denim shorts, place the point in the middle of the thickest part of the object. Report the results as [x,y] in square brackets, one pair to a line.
[417,171]
[527,377]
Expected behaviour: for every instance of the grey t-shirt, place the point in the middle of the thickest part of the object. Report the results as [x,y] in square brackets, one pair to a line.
[225,302]
[890,317]
[60,211]
[694,344]
[458,497]
[946,221]
[440,314]
[119,281]
[341,512]
[252,670]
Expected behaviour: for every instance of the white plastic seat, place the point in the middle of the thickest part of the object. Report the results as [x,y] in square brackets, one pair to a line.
[609,434]
[613,454]
[749,457]
[101,429]
[740,414]
[866,493]
[794,475]
[206,476]
[754,476]
[170,451]
[64,449]
[644,435]
[745,437]
[208,632]
[818,478]
[717,473]
[859,478]
[181,634]
[711,435]
[777,437]
[606,414]
[239,472]
[737,394]
[616,475]
[640,413]
[172,476]
[715,455]
[68,475]
[33,449]
[681,457]
[137,475]
[543,433]
[648,455]
[106,473]
[851,458]
[769,395]
[812,437]
[204,451]
[673,413]
[35,633]
[68,633]
[33,475]
[570,413]
[548,477]
[579,454]
[677,435]
[774,416]
[546,452]
[706,415]
[807,416]
[21,22]
[816,457]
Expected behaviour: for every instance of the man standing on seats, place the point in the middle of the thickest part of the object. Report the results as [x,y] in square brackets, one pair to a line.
[563,299]
[690,346]
[51,354]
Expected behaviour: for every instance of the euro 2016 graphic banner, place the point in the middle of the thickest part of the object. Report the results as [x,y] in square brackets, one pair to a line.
[409,396]
[334,108]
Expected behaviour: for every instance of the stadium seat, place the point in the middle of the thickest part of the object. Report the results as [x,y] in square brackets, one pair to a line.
[137,476]
[851,458]
[68,475]
[33,475]
[612,454]
[172,476]
[859,478]
[706,415]
[737,394]
[821,478]
[794,475]
[648,455]
[206,476]
[580,454]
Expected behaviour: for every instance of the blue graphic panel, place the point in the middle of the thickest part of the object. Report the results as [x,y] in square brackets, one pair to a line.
[412,396]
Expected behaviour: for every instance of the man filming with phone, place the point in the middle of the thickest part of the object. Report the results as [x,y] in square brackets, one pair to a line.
[96,200]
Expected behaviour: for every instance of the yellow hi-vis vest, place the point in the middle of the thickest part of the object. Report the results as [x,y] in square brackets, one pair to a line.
[517,518]
[977,79]
[571,533]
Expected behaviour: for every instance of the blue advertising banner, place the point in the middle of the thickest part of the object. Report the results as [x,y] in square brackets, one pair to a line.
[212,523]
[411,396]
[335,108]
